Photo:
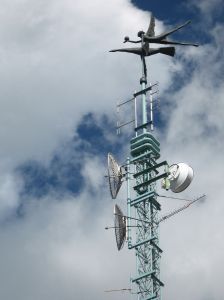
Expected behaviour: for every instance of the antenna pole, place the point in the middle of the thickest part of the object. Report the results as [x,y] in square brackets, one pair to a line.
[128,177]
[143,82]
[151,110]
[144,113]
[145,150]
[136,115]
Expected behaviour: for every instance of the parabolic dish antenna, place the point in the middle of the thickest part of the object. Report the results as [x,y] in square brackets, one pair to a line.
[120,226]
[114,176]
[180,177]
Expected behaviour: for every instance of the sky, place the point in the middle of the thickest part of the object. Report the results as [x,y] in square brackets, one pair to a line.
[59,86]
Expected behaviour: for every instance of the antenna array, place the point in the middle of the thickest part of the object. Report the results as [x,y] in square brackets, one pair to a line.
[151,102]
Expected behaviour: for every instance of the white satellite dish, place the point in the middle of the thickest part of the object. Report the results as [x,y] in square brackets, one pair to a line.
[180,177]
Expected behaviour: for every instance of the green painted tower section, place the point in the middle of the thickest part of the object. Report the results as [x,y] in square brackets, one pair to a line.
[145,152]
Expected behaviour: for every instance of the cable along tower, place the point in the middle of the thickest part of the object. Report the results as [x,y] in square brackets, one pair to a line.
[141,223]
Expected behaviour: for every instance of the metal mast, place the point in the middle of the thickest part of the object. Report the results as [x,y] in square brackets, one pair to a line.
[145,151]
[143,207]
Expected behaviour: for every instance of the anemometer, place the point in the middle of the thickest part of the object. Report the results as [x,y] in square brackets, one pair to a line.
[141,172]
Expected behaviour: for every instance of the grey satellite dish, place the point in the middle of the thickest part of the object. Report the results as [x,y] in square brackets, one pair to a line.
[120,226]
[180,177]
[114,176]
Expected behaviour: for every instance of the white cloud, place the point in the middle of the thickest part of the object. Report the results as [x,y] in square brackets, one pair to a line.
[193,240]
[207,8]
[60,249]
[55,67]
[9,195]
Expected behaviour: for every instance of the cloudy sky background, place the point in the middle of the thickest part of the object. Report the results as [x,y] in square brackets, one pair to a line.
[58,92]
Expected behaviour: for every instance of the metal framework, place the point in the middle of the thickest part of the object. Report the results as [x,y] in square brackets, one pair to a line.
[145,151]
[143,207]
[146,209]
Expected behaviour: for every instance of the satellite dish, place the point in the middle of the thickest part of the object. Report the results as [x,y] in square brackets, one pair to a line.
[120,226]
[114,176]
[180,177]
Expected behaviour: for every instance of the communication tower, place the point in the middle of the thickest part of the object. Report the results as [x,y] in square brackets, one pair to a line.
[141,223]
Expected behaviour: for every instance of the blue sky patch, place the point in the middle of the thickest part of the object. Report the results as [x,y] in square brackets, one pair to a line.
[63,173]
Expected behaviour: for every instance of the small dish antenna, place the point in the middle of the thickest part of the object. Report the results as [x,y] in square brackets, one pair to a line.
[114,176]
[119,226]
[180,177]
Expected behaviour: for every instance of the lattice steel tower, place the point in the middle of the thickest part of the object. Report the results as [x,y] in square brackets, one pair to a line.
[145,152]
[142,219]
